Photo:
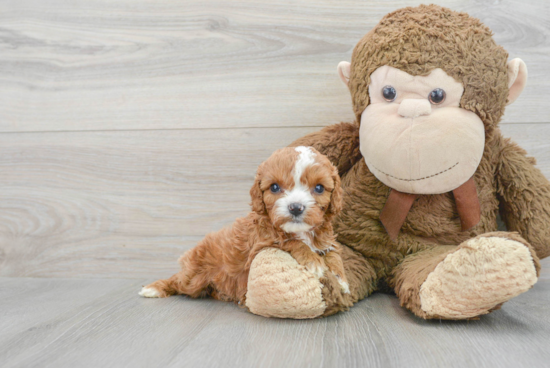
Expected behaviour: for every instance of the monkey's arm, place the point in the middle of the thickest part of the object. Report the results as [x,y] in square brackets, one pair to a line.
[339,142]
[524,195]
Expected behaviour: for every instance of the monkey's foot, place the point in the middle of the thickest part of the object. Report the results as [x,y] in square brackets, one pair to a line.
[279,287]
[482,274]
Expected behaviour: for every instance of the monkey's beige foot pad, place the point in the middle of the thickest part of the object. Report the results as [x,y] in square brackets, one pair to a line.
[483,273]
[279,287]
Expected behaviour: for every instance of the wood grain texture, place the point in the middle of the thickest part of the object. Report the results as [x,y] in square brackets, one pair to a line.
[167,64]
[100,323]
[122,204]
[127,204]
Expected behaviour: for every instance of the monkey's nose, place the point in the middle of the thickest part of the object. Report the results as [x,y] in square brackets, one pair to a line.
[413,108]
[296,209]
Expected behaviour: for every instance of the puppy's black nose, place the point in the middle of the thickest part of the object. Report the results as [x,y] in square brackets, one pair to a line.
[296,208]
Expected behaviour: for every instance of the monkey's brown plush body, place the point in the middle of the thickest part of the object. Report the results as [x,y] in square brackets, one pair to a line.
[437,268]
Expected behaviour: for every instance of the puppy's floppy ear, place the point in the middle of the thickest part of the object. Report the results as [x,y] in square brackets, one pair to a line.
[335,205]
[257,196]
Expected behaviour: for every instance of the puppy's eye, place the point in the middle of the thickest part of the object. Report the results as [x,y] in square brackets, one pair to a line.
[437,96]
[319,189]
[389,93]
[275,188]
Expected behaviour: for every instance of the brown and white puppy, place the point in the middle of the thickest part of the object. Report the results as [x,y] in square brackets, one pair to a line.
[295,195]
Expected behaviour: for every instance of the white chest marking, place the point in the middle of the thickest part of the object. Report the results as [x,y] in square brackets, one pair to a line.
[307,239]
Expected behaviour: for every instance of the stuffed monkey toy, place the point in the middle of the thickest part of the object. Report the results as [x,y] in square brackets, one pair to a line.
[425,170]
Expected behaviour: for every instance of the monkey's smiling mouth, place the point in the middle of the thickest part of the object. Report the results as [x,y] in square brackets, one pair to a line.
[424,178]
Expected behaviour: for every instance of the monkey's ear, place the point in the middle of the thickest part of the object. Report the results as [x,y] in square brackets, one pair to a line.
[517,78]
[343,72]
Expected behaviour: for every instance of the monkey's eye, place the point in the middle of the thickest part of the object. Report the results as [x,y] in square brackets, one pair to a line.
[319,189]
[437,96]
[389,93]
[275,188]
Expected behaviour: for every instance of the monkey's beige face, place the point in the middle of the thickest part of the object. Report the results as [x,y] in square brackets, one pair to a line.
[415,137]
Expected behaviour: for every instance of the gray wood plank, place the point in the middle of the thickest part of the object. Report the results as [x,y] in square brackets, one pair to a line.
[136,64]
[91,323]
[122,204]
[127,204]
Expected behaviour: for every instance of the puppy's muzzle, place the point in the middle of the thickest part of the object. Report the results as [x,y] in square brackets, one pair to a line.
[296,209]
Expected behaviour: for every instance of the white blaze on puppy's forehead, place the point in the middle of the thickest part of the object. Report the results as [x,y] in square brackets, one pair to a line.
[306,158]
[300,193]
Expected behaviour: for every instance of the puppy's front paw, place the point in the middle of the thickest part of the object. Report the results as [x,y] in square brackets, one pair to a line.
[313,262]
[316,268]
[149,292]
[344,286]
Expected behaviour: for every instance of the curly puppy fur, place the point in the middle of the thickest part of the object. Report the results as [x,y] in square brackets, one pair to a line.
[219,265]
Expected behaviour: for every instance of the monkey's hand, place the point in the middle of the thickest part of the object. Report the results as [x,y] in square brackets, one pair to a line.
[524,194]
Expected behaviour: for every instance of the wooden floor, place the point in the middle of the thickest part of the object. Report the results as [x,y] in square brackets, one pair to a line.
[54,322]
[131,128]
